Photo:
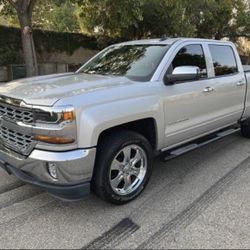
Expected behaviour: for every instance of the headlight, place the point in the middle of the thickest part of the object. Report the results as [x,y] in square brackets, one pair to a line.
[54,115]
[59,117]
[44,116]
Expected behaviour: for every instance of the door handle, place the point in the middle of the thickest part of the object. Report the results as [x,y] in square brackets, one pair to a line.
[241,83]
[208,89]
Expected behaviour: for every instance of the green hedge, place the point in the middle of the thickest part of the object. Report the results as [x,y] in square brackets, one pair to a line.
[11,45]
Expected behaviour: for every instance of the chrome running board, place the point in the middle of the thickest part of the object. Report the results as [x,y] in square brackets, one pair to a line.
[172,153]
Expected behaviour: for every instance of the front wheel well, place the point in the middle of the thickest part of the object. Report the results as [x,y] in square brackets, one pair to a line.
[145,127]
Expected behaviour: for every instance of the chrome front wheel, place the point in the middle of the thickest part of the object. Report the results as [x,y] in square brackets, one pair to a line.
[128,169]
[123,166]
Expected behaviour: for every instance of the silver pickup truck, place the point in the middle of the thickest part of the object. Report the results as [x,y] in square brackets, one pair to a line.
[101,126]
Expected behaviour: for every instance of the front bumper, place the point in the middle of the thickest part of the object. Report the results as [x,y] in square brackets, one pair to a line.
[64,192]
[74,170]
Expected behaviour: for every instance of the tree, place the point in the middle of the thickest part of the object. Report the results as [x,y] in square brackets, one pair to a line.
[108,17]
[142,18]
[165,17]
[56,15]
[134,19]
[218,19]
[24,9]
[61,17]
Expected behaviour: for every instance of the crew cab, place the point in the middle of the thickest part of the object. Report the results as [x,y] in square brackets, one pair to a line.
[101,127]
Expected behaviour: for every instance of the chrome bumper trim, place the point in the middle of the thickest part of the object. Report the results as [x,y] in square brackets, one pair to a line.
[60,156]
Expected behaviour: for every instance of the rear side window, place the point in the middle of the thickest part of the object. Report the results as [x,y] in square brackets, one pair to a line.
[190,55]
[223,59]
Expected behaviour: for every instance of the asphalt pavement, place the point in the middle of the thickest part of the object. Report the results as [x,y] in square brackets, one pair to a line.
[198,200]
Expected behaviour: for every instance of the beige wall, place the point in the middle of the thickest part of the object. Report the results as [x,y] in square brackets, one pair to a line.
[57,62]
[80,56]
[3,74]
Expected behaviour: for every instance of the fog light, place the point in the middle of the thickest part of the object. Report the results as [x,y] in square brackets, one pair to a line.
[52,170]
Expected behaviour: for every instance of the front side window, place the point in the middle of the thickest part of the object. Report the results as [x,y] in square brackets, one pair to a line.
[190,55]
[137,62]
[223,60]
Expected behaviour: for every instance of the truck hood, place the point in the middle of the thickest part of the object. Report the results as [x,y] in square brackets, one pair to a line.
[47,90]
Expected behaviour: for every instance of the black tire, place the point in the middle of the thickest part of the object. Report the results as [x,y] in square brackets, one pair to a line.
[245,128]
[108,148]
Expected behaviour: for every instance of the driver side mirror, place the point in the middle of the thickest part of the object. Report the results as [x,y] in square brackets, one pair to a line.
[183,73]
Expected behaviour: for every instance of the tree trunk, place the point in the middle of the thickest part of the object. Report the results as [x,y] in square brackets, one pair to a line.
[28,44]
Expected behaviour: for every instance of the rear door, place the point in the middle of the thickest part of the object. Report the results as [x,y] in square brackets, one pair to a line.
[229,85]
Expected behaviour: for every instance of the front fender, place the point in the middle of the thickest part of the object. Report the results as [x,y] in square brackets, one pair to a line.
[92,121]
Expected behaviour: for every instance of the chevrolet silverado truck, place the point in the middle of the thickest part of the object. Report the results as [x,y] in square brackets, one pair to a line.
[101,127]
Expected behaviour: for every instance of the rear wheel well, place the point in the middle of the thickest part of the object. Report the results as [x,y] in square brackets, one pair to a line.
[145,127]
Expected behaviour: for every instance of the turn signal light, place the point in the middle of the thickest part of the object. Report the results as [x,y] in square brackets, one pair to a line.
[68,116]
[53,140]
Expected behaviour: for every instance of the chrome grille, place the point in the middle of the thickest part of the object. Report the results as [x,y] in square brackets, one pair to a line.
[16,114]
[15,140]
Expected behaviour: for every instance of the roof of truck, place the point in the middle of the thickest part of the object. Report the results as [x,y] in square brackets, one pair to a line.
[170,41]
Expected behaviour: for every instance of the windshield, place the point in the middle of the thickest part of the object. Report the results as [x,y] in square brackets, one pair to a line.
[137,62]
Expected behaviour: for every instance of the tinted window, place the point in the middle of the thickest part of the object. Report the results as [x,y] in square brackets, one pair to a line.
[191,55]
[137,62]
[223,59]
